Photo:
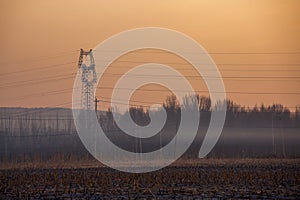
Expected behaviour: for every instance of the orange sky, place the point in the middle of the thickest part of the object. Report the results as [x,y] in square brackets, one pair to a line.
[38,33]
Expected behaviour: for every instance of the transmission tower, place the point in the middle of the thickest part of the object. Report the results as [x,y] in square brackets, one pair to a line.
[88,78]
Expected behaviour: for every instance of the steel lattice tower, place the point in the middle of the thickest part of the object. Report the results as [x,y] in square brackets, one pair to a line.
[88,78]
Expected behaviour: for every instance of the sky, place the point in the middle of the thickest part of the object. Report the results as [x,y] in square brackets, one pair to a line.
[40,42]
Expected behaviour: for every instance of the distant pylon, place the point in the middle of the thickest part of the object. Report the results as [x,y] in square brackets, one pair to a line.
[88,79]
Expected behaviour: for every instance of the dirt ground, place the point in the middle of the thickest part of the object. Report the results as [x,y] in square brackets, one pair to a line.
[186,179]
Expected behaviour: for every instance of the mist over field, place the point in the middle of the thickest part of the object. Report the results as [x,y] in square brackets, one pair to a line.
[46,133]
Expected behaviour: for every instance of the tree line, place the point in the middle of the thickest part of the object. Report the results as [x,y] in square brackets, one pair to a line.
[49,121]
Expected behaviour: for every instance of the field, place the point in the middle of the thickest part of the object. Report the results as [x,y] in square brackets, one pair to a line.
[188,179]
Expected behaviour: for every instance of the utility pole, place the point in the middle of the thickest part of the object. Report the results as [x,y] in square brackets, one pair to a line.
[95,134]
[96,103]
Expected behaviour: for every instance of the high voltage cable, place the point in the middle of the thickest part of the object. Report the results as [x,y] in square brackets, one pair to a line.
[144,102]
[150,50]
[229,78]
[274,78]
[119,102]
[39,81]
[154,90]
[255,79]
[184,69]
[230,92]
[260,64]
[55,92]
[65,53]
[40,94]
[53,108]
[287,64]
[45,57]
[197,76]
[121,61]
[147,102]
[37,68]
[247,80]
[207,64]
[238,70]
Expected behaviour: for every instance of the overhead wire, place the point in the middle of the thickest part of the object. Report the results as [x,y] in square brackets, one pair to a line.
[37,68]
[44,57]
[233,92]
[240,78]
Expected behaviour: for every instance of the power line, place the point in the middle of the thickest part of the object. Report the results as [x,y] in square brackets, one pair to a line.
[40,94]
[239,64]
[119,102]
[45,57]
[130,61]
[66,90]
[37,68]
[207,64]
[144,102]
[198,91]
[151,50]
[66,53]
[197,76]
[39,79]
[228,78]
[236,78]
[184,69]
[58,78]
[123,102]
[238,70]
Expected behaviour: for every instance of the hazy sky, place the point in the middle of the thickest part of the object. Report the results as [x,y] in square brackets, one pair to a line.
[48,34]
